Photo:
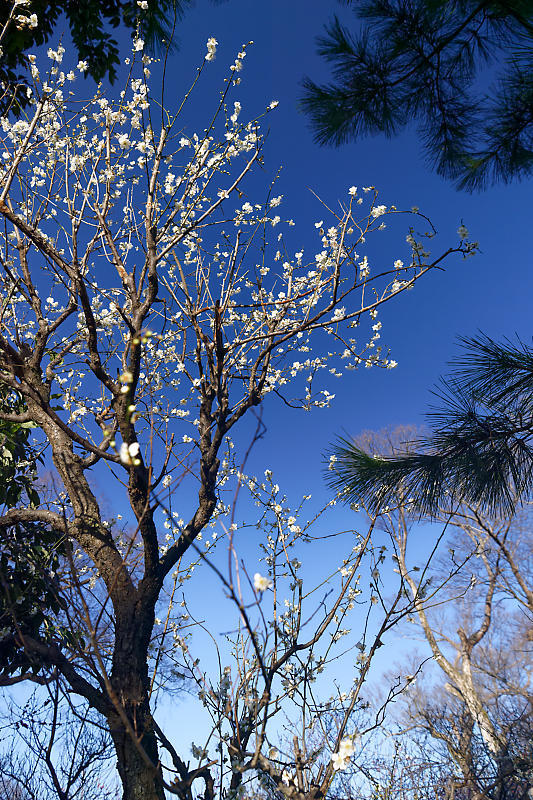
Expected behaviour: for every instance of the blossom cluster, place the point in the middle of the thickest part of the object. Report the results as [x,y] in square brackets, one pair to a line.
[23,20]
[341,758]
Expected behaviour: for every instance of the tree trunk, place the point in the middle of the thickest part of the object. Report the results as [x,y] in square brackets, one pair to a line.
[140,781]
[136,748]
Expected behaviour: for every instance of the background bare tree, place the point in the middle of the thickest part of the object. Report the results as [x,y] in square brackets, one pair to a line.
[60,750]
[466,722]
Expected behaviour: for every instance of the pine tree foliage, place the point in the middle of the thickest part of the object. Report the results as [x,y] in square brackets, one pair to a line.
[429,60]
[480,449]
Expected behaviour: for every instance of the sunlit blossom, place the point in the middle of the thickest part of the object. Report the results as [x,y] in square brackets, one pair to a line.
[261,584]
[211,49]
[129,452]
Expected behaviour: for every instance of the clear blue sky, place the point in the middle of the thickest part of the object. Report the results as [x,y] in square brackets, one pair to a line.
[490,292]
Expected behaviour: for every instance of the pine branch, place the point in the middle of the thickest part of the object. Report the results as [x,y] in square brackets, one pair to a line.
[497,373]
[480,450]
[419,60]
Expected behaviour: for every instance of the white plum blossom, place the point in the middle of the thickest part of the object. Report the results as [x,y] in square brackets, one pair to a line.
[261,584]
[338,314]
[129,452]
[21,21]
[236,111]
[56,55]
[286,778]
[338,761]
[342,757]
[211,49]
[377,211]
[20,126]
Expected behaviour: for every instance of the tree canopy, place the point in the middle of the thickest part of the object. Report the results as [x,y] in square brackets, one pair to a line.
[429,60]
[151,304]
[31,25]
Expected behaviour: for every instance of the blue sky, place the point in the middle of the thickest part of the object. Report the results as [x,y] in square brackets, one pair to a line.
[490,292]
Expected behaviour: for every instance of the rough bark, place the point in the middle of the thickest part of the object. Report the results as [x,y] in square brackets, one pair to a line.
[141,780]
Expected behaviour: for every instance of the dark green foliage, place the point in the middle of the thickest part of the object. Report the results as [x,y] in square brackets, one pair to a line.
[428,60]
[18,463]
[29,553]
[89,22]
[29,601]
[480,449]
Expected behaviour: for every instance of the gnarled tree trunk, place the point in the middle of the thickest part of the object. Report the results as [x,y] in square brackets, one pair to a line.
[140,780]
